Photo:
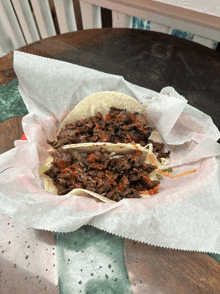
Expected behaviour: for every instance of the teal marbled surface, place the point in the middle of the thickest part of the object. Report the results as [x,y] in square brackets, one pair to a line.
[11,102]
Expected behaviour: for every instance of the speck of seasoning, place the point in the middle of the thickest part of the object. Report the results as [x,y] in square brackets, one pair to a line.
[134,242]
[109,266]
[100,266]
[115,261]
[45,288]
[57,286]
[36,243]
[12,226]
[46,269]
[91,274]
[53,264]
[28,246]
[67,263]
[68,259]
[53,253]
[110,252]
[115,279]
[17,236]
[91,260]
[82,251]
[113,271]
[15,265]
[140,281]
[9,242]
[46,249]
[39,281]
[53,248]
[25,278]
[80,282]
[33,251]
[81,269]
[26,256]
[3,251]
[25,241]
[37,276]
[8,223]
[136,260]
[106,276]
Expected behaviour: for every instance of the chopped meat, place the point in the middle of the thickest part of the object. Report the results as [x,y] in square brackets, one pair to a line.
[142,119]
[119,126]
[114,176]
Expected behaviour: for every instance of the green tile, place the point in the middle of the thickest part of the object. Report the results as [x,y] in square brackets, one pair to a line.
[215,256]
[11,103]
[91,261]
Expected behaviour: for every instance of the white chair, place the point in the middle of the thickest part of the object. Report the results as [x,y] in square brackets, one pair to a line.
[26,21]
[164,18]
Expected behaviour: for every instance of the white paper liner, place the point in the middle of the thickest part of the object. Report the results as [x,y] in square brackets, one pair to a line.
[185,212]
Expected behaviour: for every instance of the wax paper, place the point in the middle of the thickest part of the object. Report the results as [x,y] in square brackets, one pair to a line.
[185,212]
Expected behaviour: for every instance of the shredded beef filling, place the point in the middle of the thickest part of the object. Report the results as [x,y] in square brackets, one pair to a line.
[119,126]
[115,177]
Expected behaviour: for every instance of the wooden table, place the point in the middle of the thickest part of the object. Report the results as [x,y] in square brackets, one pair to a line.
[151,60]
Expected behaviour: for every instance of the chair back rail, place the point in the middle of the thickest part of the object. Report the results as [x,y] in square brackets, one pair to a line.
[163,21]
[26,21]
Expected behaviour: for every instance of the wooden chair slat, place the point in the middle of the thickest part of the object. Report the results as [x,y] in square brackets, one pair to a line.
[203,41]
[26,20]
[120,20]
[6,44]
[44,18]
[91,15]
[160,28]
[65,15]
[11,24]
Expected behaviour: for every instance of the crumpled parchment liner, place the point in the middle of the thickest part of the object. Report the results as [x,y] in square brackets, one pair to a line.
[185,213]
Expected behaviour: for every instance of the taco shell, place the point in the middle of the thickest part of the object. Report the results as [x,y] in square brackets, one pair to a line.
[116,149]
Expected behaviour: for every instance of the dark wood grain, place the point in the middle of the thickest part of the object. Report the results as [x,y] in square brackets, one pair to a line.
[151,60]
[54,46]
[10,130]
[148,59]
[170,271]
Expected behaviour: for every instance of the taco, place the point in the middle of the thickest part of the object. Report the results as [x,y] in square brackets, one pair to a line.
[109,117]
[109,172]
